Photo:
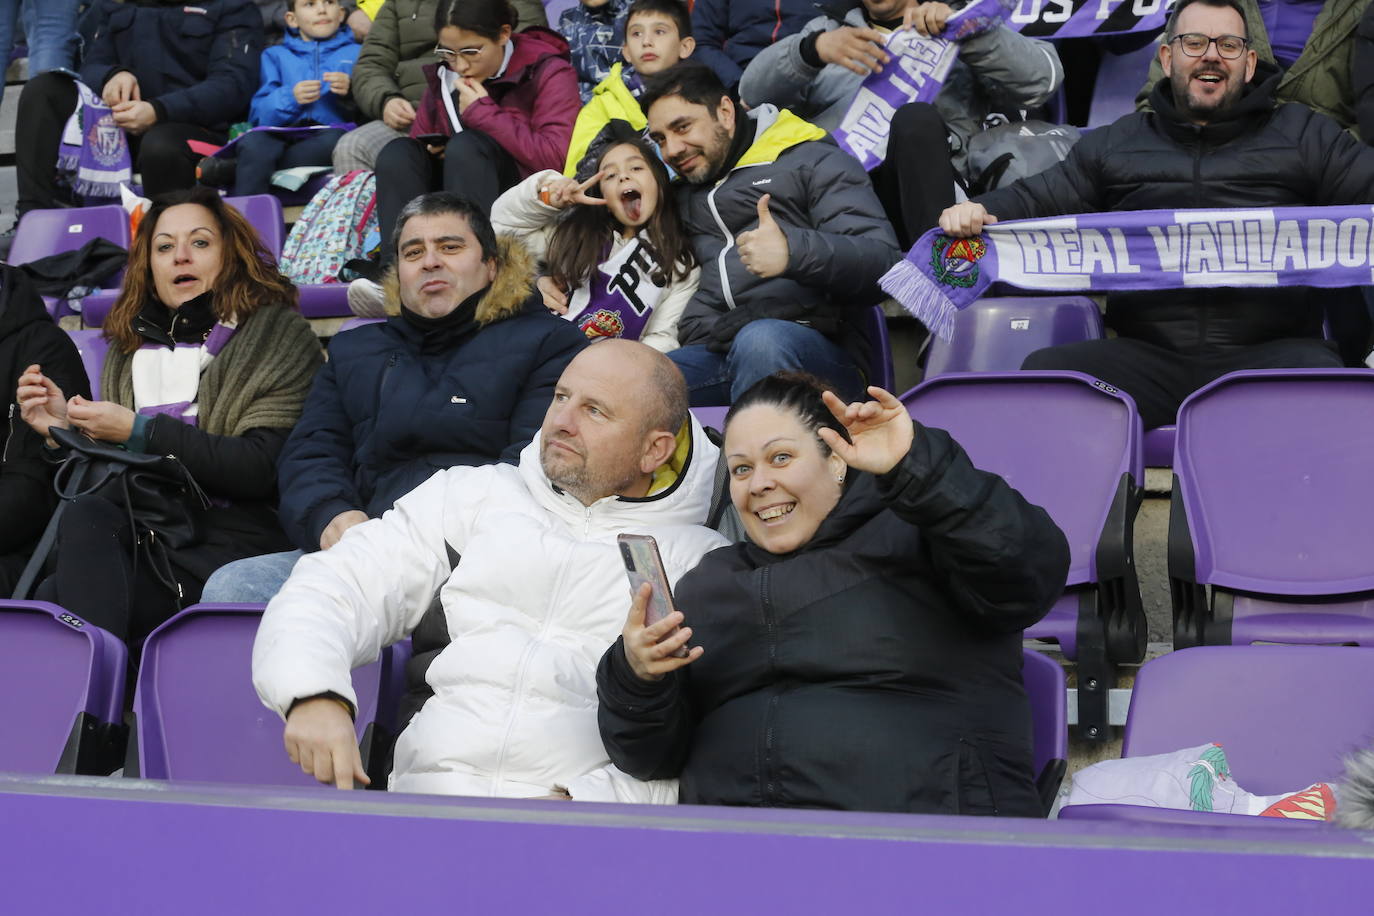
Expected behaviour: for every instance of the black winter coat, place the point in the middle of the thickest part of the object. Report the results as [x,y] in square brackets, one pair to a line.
[877,668]
[28,336]
[196,63]
[1259,156]
[384,414]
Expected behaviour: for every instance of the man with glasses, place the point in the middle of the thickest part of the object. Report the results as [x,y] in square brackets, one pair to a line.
[1214,139]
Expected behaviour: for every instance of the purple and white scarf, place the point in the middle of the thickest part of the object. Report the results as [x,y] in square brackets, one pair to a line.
[1086,18]
[167,379]
[93,149]
[916,73]
[620,296]
[1326,247]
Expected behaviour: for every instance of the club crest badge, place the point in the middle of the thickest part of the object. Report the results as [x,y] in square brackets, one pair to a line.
[106,141]
[954,262]
[602,323]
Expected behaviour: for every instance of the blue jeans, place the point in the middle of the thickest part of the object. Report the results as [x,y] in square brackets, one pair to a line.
[761,348]
[51,29]
[252,580]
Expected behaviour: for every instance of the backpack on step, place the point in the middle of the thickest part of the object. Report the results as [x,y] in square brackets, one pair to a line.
[338,225]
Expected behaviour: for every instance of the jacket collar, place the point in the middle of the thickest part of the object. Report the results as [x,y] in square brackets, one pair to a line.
[775,133]
[191,323]
[341,38]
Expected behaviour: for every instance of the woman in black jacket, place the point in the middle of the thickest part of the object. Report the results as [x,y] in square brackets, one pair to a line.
[210,362]
[862,650]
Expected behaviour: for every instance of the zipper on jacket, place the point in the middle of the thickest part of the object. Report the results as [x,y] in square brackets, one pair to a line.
[767,785]
[5,455]
[729,243]
[1203,312]
[390,364]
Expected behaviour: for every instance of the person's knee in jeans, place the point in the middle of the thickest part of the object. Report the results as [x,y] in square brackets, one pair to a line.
[770,345]
[252,580]
[258,152]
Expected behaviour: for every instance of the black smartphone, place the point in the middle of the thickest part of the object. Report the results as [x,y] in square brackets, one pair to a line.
[432,139]
[643,564]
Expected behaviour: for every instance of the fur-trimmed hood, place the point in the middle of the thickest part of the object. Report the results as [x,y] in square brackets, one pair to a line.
[505,297]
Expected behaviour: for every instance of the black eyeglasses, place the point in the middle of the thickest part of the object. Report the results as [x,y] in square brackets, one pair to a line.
[1194,44]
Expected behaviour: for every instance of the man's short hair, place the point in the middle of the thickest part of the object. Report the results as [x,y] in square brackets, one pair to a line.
[675,10]
[692,80]
[440,203]
[665,396]
[1171,31]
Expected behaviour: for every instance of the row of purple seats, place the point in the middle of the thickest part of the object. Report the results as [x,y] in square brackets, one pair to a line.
[1286,715]
[47,232]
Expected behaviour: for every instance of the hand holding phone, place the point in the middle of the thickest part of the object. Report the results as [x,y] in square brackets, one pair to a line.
[655,640]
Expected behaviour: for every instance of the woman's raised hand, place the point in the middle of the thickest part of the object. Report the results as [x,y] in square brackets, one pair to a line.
[562,193]
[104,420]
[649,650]
[881,431]
[41,403]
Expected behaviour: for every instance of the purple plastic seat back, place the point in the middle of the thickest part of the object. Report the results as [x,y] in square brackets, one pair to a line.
[1285,714]
[198,715]
[1272,471]
[92,346]
[872,325]
[711,417]
[47,232]
[263,212]
[1045,686]
[53,667]
[997,334]
[1159,446]
[352,323]
[324,300]
[1062,439]
[1119,78]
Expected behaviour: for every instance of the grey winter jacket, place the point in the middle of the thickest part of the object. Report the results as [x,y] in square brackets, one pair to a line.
[999,69]
[838,239]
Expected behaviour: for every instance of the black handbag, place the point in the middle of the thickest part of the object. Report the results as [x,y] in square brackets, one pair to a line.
[162,499]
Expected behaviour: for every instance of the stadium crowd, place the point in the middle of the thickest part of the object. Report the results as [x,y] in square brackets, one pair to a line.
[584,231]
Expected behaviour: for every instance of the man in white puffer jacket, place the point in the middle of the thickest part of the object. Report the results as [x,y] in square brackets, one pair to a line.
[525,563]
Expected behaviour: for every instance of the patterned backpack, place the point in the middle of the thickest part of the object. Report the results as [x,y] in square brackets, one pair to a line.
[338,225]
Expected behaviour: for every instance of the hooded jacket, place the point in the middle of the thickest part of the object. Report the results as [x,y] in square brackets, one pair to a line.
[838,239]
[877,667]
[999,69]
[195,63]
[297,59]
[1255,156]
[387,411]
[533,589]
[28,336]
[611,100]
[529,109]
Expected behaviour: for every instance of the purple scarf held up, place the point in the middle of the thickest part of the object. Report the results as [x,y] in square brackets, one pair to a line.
[1328,247]
[93,149]
[916,74]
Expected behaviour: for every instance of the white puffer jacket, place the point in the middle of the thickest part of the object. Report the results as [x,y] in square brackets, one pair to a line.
[538,593]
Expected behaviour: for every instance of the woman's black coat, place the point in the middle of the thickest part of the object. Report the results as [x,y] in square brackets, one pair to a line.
[876,668]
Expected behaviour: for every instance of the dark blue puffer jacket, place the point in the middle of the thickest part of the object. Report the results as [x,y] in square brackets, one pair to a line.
[383,415]
[196,62]
[730,32]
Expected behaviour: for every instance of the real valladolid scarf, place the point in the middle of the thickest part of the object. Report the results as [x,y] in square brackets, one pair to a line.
[920,65]
[1136,250]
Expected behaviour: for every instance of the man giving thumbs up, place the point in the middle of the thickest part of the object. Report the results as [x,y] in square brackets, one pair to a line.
[790,236]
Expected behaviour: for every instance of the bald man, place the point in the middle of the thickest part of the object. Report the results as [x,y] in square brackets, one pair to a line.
[532,589]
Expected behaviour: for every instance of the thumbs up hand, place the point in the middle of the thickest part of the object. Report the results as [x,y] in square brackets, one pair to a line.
[763,251]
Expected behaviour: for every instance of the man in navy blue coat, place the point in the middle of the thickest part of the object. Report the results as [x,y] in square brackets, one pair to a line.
[460,375]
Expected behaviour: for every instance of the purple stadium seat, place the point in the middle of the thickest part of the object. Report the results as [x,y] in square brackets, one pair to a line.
[1044,680]
[46,232]
[1271,510]
[996,334]
[92,345]
[198,717]
[1071,444]
[1285,714]
[61,691]
[1119,78]
[711,417]
[873,328]
[263,212]
[1159,447]
[324,300]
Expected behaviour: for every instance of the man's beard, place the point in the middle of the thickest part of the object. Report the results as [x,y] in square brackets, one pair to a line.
[1222,105]
[714,157]
[577,479]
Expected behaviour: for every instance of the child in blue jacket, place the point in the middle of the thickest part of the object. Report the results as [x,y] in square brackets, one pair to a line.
[305,81]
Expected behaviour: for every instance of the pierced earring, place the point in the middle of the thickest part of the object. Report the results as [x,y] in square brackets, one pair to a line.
[840,479]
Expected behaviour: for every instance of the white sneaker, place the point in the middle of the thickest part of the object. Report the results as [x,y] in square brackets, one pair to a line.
[365,299]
